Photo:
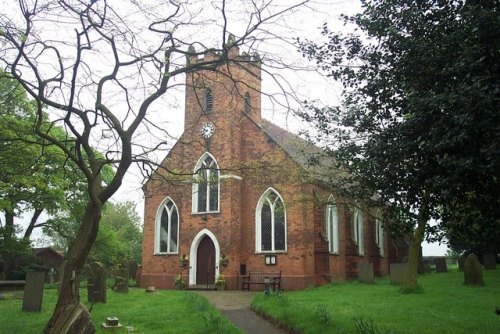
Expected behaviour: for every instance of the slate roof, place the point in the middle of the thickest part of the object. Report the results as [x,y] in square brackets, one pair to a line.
[307,155]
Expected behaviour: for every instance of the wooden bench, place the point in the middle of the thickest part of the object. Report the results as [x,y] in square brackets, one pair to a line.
[257,278]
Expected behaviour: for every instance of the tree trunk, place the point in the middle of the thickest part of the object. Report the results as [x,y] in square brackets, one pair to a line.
[415,246]
[69,315]
[9,217]
[31,226]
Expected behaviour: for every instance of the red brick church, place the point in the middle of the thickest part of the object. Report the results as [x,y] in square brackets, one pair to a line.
[242,189]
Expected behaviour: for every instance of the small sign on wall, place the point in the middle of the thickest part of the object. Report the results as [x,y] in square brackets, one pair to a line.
[270,260]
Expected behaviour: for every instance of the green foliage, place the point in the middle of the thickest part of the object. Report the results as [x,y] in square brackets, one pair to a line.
[119,237]
[15,254]
[135,309]
[323,314]
[466,309]
[419,123]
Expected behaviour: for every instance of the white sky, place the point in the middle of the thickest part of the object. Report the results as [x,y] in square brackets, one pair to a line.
[303,23]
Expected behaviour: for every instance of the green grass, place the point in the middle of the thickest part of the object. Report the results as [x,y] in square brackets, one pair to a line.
[443,305]
[160,312]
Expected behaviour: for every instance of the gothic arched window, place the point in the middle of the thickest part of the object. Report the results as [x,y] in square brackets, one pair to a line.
[379,236]
[248,106]
[332,226]
[358,231]
[206,185]
[209,102]
[167,228]
[270,223]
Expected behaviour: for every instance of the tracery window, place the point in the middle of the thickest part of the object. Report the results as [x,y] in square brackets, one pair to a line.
[167,228]
[206,185]
[270,223]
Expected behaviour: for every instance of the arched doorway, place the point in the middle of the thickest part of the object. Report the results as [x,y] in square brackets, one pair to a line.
[205,264]
[203,257]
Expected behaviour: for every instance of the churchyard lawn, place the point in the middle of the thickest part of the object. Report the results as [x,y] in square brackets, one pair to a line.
[444,305]
[159,312]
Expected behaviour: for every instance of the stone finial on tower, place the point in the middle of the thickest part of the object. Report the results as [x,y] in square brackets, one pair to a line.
[256,58]
[190,56]
[233,49]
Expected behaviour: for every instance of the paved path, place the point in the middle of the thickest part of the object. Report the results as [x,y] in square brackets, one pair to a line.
[235,305]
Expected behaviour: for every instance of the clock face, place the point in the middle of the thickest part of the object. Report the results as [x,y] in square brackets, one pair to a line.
[207,130]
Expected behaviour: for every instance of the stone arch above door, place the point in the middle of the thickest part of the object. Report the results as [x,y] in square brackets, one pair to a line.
[194,250]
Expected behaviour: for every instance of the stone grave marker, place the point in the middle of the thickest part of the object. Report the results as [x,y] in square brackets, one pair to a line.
[121,280]
[461,261]
[365,273]
[399,273]
[489,261]
[33,292]
[473,271]
[96,283]
[440,264]
[132,269]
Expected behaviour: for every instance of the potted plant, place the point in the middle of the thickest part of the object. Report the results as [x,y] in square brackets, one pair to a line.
[183,260]
[223,261]
[220,283]
[179,282]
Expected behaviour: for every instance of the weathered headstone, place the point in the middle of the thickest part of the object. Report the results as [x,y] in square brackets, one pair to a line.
[121,280]
[473,272]
[132,269]
[96,283]
[489,261]
[421,266]
[461,261]
[440,264]
[365,273]
[399,273]
[33,292]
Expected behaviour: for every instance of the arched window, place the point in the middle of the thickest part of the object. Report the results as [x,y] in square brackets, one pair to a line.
[358,231]
[208,101]
[332,226]
[206,185]
[167,228]
[248,106]
[270,223]
[379,235]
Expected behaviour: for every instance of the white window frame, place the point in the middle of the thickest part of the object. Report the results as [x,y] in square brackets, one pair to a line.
[194,197]
[379,236]
[358,236]
[258,223]
[159,213]
[332,226]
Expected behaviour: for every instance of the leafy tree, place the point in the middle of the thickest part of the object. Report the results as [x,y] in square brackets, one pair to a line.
[419,125]
[36,175]
[100,76]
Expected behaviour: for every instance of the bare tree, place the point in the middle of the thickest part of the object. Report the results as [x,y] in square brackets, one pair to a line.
[98,68]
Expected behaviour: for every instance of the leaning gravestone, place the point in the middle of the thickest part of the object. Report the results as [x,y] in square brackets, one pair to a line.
[399,273]
[121,280]
[440,264]
[473,272]
[33,292]
[96,283]
[365,273]
[489,261]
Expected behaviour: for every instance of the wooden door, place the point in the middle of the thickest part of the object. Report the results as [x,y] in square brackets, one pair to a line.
[205,268]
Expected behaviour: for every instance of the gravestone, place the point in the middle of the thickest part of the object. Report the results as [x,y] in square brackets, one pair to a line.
[96,283]
[440,264]
[33,292]
[121,280]
[461,261]
[489,261]
[399,273]
[365,273]
[473,271]
[132,269]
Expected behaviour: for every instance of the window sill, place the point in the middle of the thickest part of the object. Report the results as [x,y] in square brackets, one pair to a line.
[205,213]
[270,252]
[165,254]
